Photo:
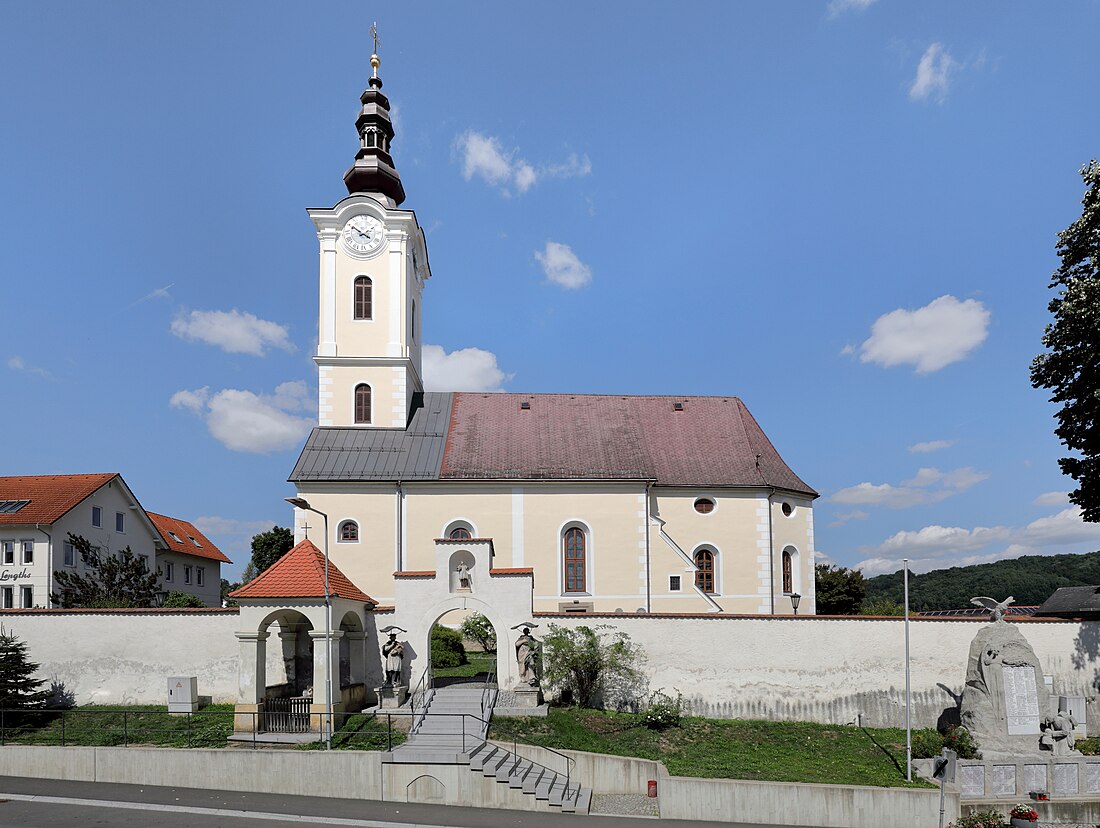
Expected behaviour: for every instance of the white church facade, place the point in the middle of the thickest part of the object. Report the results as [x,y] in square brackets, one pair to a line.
[635,504]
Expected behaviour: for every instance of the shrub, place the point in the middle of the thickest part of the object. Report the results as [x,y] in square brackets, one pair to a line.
[927,743]
[179,600]
[1089,747]
[662,711]
[478,628]
[447,649]
[593,666]
[958,739]
[980,819]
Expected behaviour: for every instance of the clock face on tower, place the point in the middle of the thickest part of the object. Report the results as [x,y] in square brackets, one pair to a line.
[363,235]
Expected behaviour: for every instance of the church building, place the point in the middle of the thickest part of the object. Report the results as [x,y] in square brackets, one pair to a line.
[601,503]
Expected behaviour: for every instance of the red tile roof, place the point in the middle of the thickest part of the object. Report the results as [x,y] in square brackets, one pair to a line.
[712,441]
[182,542]
[51,495]
[300,573]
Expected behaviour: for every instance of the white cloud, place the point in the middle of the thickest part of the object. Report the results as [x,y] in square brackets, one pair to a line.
[934,74]
[222,526]
[159,293]
[232,331]
[929,485]
[17,363]
[1052,499]
[468,369]
[484,157]
[935,547]
[844,517]
[838,7]
[248,422]
[930,338]
[562,267]
[931,446]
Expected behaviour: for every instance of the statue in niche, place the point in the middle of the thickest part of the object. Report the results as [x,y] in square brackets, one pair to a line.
[527,658]
[463,577]
[393,651]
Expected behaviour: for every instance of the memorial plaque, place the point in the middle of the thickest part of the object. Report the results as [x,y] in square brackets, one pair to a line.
[1065,779]
[1035,778]
[1021,700]
[1004,780]
[972,780]
[1092,777]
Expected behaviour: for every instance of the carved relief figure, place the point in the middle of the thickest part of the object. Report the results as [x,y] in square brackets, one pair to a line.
[394,653]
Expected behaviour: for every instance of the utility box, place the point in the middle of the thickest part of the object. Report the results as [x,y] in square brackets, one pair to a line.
[183,694]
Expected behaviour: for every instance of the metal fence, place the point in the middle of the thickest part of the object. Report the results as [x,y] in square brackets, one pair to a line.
[289,715]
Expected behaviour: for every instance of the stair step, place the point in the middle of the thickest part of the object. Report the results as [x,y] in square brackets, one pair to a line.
[533,778]
[491,767]
[556,793]
[581,804]
[542,789]
[515,780]
[484,754]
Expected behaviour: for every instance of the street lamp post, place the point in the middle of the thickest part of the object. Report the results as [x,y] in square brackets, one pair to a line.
[795,600]
[302,503]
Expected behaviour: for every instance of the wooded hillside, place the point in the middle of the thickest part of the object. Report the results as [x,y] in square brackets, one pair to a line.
[1030,579]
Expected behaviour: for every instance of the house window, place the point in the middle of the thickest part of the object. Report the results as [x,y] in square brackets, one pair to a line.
[169,571]
[9,552]
[28,597]
[187,575]
[97,517]
[175,537]
[349,532]
[704,505]
[704,571]
[673,583]
[460,533]
[9,597]
[363,291]
[69,552]
[788,509]
[194,542]
[414,320]
[573,543]
[120,522]
[362,403]
[28,551]
[788,572]
[200,575]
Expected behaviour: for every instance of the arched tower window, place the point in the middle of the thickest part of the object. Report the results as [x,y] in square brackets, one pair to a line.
[363,288]
[460,533]
[574,556]
[362,403]
[349,532]
[704,570]
[788,572]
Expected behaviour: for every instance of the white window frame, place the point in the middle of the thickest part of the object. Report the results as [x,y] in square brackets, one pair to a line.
[589,558]
[169,572]
[678,580]
[8,548]
[120,522]
[7,595]
[145,560]
[717,553]
[26,597]
[97,517]
[186,575]
[200,576]
[796,579]
[68,552]
[26,554]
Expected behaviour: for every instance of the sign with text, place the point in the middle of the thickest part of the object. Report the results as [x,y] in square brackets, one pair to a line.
[1021,700]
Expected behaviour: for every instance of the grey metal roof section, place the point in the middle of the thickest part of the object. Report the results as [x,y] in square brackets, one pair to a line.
[413,453]
[1072,602]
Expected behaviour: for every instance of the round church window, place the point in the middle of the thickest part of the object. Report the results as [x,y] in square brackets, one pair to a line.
[704,505]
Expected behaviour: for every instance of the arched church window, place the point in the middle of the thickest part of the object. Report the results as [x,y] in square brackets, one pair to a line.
[704,570]
[573,543]
[363,289]
[362,403]
[460,533]
[788,572]
[349,532]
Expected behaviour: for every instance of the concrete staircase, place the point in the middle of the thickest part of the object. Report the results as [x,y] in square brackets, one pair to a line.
[445,736]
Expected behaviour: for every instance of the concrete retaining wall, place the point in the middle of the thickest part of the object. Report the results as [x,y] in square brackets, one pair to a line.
[603,774]
[832,670]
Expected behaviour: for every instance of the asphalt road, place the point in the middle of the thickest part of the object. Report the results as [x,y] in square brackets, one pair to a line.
[44,803]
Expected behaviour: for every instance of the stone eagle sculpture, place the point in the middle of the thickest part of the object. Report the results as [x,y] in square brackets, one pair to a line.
[997,608]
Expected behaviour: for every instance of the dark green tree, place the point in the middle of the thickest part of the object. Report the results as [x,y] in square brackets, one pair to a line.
[478,628]
[839,590]
[1070,368]
[111,581]
[593,665]
[226,589]
[182,600]
[18,689]
[267,547]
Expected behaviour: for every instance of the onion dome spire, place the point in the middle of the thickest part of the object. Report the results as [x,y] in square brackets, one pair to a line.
[373,170]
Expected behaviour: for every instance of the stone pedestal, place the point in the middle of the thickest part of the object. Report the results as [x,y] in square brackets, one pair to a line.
[391,697]
[527,696]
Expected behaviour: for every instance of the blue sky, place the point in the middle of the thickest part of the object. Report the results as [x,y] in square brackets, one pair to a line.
[842,212]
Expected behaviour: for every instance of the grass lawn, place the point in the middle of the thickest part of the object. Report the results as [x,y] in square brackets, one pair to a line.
[730,749]
[364,731]
[98,726]
[479,663]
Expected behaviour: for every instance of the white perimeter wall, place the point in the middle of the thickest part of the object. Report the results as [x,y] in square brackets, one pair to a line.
[126,657]
[829,670]
[815,669]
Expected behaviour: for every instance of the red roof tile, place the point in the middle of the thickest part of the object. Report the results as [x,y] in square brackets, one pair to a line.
[711,441]
[51,495]
[300,573]
[178,535]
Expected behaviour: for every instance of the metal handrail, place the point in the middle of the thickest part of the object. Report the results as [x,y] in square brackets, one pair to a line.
[420,694]
[516,738]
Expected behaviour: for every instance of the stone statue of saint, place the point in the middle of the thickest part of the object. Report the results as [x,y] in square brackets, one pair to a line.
[394,653]
[463,572]
[1058,735]
[527,658]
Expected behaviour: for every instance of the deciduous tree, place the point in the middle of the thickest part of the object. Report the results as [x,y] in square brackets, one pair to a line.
[122,580]
[840,590]
[267,547]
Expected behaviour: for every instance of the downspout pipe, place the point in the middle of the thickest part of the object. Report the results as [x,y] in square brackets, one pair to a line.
[771,548]
[49,563]
[400,526]
[648,566]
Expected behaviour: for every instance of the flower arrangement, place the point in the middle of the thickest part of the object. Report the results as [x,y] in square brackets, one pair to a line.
[979,819]
[1025,812]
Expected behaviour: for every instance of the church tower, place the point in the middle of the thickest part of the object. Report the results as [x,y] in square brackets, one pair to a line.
[373,267]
